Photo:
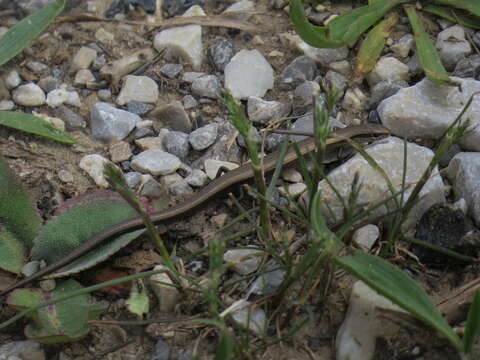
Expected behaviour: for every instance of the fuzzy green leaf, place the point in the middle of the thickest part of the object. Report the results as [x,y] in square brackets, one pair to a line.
[431,63]
[81,219]
[12,252]
[34,125]
[17,212]
[19,221]
[19,36]
[396,286]
[61,322]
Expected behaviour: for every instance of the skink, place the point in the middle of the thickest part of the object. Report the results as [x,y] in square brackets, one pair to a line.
[234,177]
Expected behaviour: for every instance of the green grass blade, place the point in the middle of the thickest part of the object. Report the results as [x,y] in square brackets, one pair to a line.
[18,37]
[34,125]
[472,6]
[427,53]
[348,27]
[396,286]
[463,19]
[313,35]
[373,45]
[472,327]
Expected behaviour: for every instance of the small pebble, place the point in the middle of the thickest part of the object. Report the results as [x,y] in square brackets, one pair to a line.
[203,137]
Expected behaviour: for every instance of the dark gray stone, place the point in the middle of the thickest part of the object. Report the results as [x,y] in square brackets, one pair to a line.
[468,67]
[446,227]
[299,70]
[171,71]
[221,53]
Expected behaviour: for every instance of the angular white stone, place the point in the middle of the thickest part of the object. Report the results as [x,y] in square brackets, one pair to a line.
[93,165]
[248,74]
[138,88]
[185,41]
[212,166]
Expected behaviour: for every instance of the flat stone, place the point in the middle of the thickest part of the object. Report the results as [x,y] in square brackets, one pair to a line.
[82,59]
[298,71]
[120,151]
[262,111]
[12,79]
[93,165]
[452,46]
[184,41]
[176,185]
[156,162]
[84,77]
[203,137]
[207,86]
[108,122]
[403,46]
[138,88]
[248,74]
[213,166]
[171,71]
[389,156]
[57,97]
[29,95]
[427,109]
[197,178]
[388,68]
[172,116]
[150,142]
[71,118]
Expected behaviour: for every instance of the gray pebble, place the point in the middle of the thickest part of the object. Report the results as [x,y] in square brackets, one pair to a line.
[197,178]
[29,95]
[156,162]
[108,122]
[299,70]
[203,137]
[221,53]
[171,71]
[139,108]
[207,86]
[177,143]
